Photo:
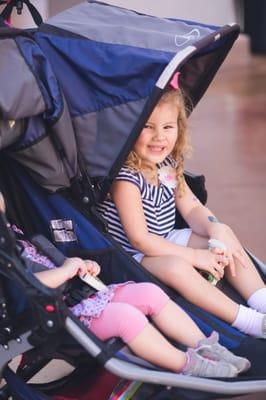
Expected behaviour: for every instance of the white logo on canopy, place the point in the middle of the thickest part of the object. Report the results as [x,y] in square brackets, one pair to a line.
[192,36]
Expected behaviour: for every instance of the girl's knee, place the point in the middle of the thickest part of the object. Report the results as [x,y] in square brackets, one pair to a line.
[155,298]
[119,320]
[148,289]
[132,322]
[145,296]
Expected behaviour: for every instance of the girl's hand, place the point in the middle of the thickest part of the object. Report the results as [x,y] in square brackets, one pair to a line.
[211,261]
[76,266]
[73,266]
[93,268]
[234,249]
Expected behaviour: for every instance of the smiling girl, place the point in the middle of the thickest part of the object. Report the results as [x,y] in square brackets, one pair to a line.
[140,213]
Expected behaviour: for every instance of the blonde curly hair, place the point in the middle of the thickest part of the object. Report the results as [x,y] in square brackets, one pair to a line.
[182,146]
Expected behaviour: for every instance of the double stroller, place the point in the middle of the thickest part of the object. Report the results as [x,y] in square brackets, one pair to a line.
[75,94]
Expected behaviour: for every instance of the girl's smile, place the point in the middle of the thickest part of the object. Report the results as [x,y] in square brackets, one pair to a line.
[159,135]
[156,149]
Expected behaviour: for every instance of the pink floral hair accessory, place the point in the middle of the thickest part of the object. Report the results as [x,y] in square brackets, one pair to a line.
[174,81]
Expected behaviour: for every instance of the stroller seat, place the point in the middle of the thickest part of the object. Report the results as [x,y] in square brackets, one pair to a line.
[111,355]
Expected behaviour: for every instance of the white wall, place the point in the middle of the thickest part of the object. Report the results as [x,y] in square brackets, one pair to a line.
[55,6]
[206,11]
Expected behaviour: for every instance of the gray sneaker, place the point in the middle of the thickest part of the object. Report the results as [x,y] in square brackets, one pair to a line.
[206,368]
[211,349]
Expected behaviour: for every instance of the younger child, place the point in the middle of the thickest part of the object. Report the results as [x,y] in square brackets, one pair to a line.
[140,213]
[120,311]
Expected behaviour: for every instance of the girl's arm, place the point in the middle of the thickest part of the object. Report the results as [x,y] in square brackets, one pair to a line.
[200,219]
[204,223]
[127,199]
[71,267]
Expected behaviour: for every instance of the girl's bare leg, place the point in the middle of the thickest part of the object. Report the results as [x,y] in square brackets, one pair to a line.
[176,324]
[151,345]
[183,277]
[247,280]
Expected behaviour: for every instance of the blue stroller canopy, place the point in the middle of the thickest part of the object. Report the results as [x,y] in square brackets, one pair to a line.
[112,66]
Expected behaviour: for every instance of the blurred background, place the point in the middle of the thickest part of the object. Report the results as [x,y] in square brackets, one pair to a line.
[228,127]
[214,11]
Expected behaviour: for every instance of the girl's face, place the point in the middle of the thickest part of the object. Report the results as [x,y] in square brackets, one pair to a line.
[159,135]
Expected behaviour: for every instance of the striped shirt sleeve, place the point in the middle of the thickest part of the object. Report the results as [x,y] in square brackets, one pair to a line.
[126,174]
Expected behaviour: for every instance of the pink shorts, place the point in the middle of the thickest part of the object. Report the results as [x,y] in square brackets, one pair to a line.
[125,315]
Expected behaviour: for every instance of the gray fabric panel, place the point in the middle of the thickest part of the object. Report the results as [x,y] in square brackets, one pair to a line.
[10,131]
[102,136]
[64,131]
[120,26]
[19,93]
[44,164]
[86,136]
[42,159]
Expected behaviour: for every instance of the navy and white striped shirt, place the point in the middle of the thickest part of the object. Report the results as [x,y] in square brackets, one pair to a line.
[158,205]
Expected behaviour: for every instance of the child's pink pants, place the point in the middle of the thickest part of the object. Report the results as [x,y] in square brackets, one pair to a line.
[124,316]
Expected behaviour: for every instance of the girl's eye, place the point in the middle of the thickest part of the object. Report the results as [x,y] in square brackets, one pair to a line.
[147,126]
[169,127]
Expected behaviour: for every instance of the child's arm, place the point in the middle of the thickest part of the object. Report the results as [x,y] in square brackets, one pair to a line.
[71,267]
[127,199]
[204,223]
[197,216]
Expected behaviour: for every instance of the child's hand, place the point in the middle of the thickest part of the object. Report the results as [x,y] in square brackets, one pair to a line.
[218,247]
[223,253]
[76,266]
[225,234]
[211,261]
[93,268]
[73,266]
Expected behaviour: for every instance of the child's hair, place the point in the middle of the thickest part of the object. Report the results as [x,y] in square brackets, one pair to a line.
[182,146]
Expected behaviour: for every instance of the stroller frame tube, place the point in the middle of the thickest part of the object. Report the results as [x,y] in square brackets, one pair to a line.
[179,59]
[131,371]
[172,66]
